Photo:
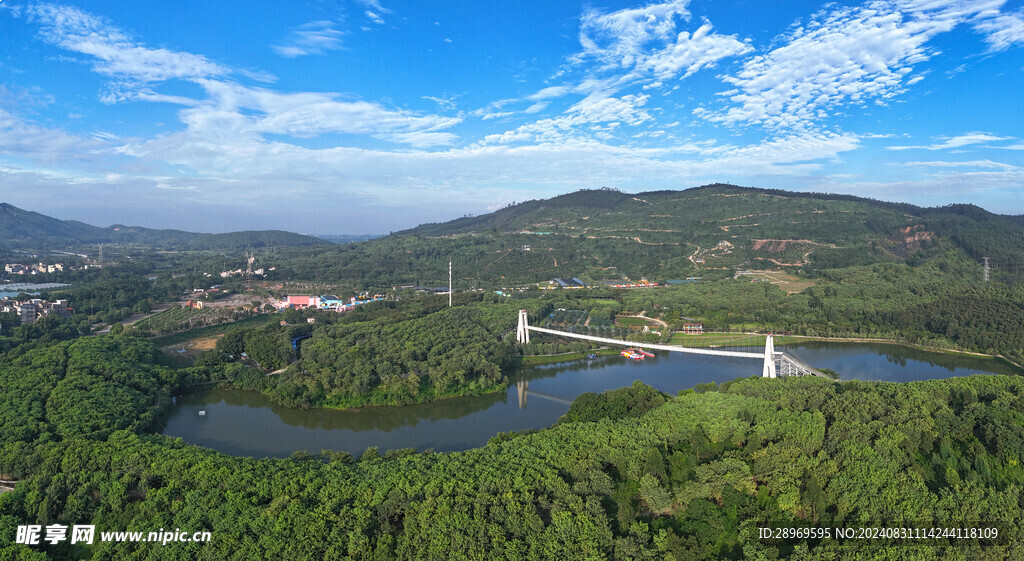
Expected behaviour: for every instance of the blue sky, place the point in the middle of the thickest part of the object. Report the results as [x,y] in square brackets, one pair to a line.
[366,116]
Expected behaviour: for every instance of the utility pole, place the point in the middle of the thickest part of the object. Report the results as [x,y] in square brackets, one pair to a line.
[450,283]
[986,268]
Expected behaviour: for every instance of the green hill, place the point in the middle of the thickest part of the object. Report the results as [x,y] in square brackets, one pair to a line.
[706,231]
[22,228]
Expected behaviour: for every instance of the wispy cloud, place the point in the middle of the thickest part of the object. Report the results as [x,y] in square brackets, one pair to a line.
[374,5]
[646,48]
[116,54]
[1001,30]
[313,38]
[970,164]
[231,109]
[955,142]
[647,44]
[843,55]
[602,121]
[374,11]
[31,142]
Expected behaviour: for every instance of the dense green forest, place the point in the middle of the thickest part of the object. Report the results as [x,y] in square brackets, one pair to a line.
[630,474]
[385,352]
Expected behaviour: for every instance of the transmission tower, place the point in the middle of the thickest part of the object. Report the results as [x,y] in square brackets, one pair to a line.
[450,284]
[986,270]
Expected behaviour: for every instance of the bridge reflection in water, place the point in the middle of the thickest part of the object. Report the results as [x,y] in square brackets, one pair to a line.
[523,387]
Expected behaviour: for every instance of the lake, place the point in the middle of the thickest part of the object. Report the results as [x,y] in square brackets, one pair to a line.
[243,423]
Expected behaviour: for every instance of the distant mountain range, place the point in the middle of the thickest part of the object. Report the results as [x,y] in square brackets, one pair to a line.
[604,234]
[710,230]
[23,228]
[752,222]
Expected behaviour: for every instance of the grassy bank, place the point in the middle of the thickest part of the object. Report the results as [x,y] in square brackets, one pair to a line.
[535,360]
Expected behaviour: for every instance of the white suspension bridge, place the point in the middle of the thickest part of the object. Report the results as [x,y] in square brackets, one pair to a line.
[775,364]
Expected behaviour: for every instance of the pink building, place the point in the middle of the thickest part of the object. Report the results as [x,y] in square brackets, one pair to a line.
[302,301]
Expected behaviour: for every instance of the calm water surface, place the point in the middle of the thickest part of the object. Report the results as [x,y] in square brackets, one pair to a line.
[245,423]
[10,290]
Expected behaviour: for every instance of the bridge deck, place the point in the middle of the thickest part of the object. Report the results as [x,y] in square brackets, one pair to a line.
[656,346]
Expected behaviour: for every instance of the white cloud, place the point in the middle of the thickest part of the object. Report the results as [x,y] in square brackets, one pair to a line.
[117,54]
[313,38]
[236,110]
[619,39]
[420,139]
[374,5]
[690,53]
[971,164]
[549,93]
[636,46]
[1002,30]
[233,110]
[493,115]
[955,142]
[24,140]
[597,108]
[238,146]
[443,102]
[536,107]
[591,110]
[372,16]
[645,42]
[842,55]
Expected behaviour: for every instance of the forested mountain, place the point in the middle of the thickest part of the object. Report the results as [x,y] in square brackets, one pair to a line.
[22,228]
[18,226]
[706,231]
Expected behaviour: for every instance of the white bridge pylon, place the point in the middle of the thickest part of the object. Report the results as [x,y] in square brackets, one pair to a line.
[789,366]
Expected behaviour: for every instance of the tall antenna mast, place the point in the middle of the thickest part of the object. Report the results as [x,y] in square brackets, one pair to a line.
[450,283]
[986,268]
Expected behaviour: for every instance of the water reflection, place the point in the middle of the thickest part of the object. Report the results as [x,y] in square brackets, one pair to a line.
[383,419]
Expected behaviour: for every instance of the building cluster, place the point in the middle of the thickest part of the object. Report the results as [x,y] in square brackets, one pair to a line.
[418,288]
[570,283]
[638,284]
[693,329]
[687,280]
[325,302]
[241,272]
[31,310]
[33,269]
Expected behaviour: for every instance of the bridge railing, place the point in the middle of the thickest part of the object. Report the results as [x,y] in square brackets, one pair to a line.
[655,346]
